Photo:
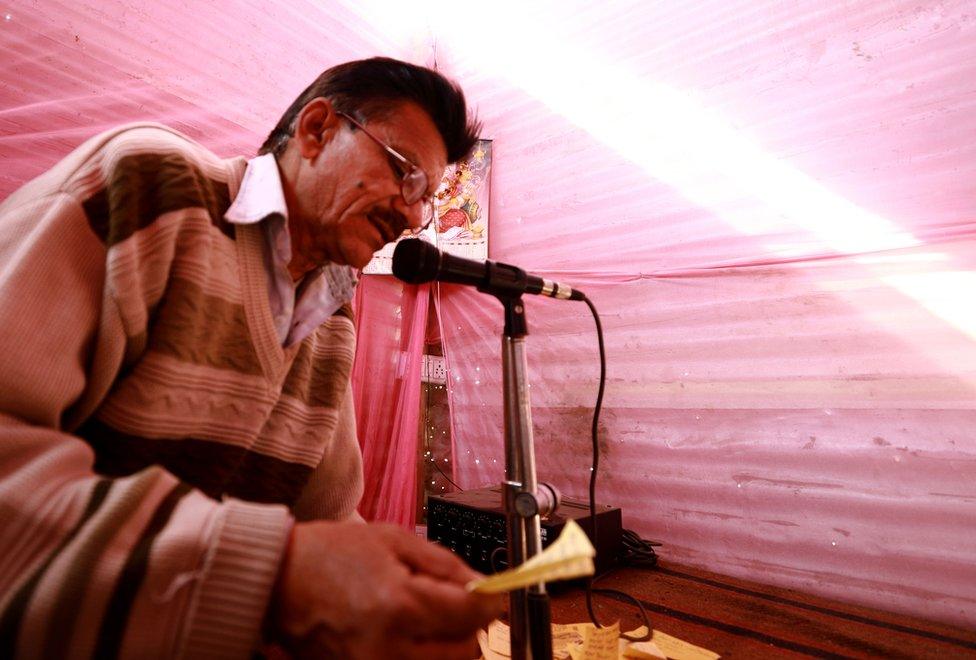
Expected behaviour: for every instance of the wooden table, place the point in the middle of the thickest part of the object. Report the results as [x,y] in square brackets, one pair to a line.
[740,619]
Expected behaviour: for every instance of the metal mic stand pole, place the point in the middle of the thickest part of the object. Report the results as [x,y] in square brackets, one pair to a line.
[529,612]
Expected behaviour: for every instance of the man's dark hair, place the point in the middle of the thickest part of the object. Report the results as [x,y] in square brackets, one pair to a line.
[368,89]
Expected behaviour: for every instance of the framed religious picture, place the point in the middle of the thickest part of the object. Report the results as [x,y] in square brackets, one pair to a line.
[461,205]
[460,224]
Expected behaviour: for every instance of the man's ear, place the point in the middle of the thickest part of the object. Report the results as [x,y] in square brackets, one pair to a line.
[315,126]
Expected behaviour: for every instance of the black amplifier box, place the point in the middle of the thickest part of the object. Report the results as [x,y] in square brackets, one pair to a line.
[472,524]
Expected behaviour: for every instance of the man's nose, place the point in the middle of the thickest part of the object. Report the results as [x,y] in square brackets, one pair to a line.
[412,214]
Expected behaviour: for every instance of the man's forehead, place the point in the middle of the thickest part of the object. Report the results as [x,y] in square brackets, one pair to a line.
[412,132]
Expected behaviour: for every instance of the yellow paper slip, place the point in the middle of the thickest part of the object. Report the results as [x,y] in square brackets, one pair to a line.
[499,638]
[605,644]
[486,652]
[639,650]
[679,649]
[584,641]
[567,635]
[569,556]
[600,643]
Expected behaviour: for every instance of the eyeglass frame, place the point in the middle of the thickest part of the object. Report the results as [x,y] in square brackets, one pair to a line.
[415,172]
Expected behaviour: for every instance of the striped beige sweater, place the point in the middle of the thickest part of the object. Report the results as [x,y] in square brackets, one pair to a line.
[156,440]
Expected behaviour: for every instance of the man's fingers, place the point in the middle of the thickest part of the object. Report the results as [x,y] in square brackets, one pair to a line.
[427,558]
[445,608]
[465,649]
[382,589]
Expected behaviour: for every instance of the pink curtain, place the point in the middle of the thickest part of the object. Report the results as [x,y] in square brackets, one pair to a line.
[391,321]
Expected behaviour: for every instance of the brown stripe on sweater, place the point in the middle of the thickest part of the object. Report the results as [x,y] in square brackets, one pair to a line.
[195,327]
[14,612]
[317,379]
[346,311]
[85,559]
[133,573]
[215,468]
[268,480]
[143,187]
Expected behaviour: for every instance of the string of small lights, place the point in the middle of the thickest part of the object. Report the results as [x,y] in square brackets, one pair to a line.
[436,479]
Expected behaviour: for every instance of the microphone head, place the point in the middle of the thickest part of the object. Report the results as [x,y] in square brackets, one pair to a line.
[416,261]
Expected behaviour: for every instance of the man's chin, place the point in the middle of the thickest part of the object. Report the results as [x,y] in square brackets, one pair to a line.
[360,264]
[360,255]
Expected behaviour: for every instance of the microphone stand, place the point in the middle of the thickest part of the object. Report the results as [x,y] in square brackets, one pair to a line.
[529,610]
[524,504]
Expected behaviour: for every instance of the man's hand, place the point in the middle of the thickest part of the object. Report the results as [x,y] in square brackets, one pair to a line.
[371,591]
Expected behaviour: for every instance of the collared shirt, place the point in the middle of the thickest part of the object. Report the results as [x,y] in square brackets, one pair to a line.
[297,310]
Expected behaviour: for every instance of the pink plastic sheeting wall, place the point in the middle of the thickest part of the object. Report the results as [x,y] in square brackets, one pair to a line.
[772,205]
[222,72]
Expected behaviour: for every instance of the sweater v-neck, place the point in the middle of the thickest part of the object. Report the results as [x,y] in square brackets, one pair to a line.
[257,305]
[249,240]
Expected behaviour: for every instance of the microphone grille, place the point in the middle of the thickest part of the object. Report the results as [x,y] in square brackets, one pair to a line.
[416,261]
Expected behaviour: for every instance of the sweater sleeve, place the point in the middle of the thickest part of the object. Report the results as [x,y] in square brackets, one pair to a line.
[140,566]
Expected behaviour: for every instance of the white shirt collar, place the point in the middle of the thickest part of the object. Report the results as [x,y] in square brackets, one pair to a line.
[260,195]
[262,198]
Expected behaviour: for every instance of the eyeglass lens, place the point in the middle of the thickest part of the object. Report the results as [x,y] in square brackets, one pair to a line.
[414,185]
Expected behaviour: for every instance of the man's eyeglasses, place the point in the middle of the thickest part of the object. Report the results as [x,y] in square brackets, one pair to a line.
[413,180]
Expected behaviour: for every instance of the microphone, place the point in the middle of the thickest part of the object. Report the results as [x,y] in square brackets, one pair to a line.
[416,261]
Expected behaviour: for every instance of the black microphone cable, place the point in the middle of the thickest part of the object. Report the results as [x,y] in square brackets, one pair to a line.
[652,560]
[414,262]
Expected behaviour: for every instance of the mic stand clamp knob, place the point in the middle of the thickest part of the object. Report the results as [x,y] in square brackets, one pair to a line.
[526,505]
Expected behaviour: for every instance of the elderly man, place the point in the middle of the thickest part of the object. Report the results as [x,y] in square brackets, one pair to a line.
[176,423]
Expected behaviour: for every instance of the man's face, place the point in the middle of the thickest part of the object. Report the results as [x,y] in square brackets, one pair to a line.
[346,187]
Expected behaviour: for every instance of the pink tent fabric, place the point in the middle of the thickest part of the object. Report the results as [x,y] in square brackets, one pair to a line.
[772,207]
[391,320]
[770,203]
[222,74]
